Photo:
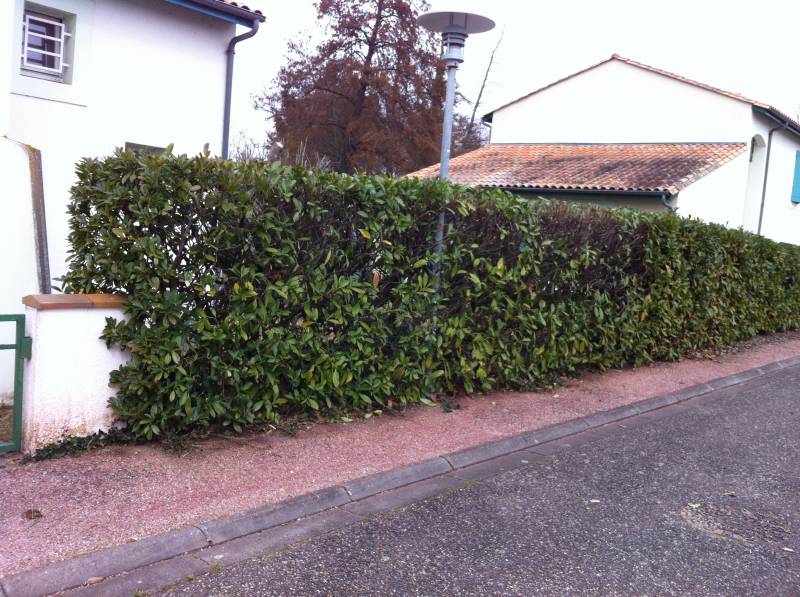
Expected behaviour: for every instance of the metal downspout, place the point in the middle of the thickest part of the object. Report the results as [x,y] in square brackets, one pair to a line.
[230,52]
[766,174]
[39,221]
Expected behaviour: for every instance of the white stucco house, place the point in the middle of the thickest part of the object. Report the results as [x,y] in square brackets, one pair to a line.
[82,77]
[624,133]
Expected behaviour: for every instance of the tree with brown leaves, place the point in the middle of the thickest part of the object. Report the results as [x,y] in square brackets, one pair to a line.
[369,97]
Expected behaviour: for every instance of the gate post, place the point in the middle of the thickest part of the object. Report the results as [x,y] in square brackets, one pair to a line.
[22,351]
[66,387]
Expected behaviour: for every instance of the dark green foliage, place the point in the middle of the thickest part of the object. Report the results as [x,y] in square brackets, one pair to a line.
[75,446]
[252,295]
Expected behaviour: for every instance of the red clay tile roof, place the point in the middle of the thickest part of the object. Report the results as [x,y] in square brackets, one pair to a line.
[777,114]
[643,168]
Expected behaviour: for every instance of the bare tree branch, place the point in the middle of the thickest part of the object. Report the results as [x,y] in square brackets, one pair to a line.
[483,84]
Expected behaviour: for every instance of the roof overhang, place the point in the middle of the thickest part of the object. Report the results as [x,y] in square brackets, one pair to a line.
[221,10]
[779,117]
[581,191]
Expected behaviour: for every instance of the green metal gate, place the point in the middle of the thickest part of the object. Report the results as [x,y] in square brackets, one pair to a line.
[22,351]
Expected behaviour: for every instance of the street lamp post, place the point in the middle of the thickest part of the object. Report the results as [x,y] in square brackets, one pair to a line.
[455,27]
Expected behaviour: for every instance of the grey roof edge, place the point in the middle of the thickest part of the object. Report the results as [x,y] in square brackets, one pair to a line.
[649,192]
[602,144]
[234,10]
[789,123]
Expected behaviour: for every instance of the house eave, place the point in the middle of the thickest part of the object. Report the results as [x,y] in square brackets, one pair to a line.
[222,11]
[777,116]
[577,191]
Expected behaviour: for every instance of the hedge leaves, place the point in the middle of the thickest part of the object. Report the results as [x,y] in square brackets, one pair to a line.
[259,290]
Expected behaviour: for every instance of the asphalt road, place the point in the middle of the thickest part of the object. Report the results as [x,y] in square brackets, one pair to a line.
[701,500]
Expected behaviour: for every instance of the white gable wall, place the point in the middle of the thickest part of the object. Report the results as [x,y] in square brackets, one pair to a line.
[781,220]
[719,196]
[620,103]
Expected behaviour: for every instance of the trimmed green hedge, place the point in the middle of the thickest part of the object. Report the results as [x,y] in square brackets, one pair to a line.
[260,290]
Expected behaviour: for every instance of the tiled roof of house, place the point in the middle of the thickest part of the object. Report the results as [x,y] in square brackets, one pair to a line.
[762,106]
[632,168]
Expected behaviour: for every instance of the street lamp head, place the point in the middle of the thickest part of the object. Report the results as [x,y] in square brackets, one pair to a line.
[454,26]
[438,21]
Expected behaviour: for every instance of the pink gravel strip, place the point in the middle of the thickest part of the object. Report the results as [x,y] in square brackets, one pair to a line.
[123,493]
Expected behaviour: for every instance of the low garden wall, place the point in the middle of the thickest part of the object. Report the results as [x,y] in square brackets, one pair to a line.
[259,290]
[66,384]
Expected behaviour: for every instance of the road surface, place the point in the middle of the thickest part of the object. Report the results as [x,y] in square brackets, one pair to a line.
[703,499]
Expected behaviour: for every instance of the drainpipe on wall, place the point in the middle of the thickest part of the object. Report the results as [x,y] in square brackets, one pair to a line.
[39,221]
[226,120]
[39,217]
[665,201]
[766,174]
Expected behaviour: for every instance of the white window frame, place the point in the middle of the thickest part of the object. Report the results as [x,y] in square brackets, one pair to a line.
[62,40]
[75,87]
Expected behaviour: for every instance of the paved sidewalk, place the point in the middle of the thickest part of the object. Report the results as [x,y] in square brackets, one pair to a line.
[121,494]
[699,498]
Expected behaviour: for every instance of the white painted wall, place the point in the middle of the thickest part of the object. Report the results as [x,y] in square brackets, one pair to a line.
[620,103]
[6,33]
[755,183]
[781,219]
[66,388]
[18,257]
[145,72]
[718,197]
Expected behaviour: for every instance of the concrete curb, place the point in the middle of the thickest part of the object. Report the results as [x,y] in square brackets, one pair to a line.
[170,557]
[66,574]
[404,475]
[224,529]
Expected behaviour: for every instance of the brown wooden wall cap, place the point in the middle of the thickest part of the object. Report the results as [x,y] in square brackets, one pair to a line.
[44,302]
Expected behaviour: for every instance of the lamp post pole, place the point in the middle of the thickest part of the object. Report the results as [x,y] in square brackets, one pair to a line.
[447,140]
[454,26]
[447,128]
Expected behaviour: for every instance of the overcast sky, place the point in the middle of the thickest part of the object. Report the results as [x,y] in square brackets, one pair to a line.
[751,47]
